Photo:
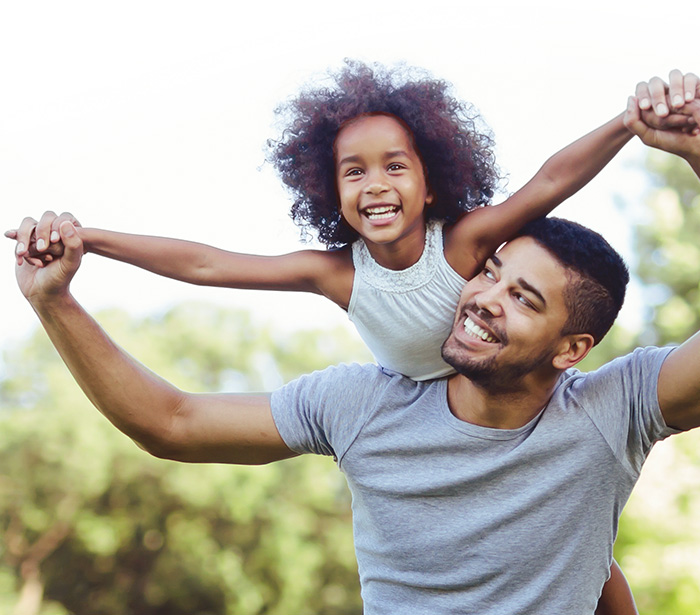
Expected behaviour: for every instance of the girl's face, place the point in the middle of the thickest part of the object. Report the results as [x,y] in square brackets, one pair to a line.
[381,185]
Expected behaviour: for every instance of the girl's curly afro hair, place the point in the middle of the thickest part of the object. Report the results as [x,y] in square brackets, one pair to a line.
[459,163]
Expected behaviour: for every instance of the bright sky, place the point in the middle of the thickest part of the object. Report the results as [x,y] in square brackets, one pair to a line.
[151,117]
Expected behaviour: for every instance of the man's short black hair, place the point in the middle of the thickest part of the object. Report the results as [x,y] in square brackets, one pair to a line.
[598,276]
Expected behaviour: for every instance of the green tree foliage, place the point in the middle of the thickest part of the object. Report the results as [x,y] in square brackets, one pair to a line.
[659,540]
[92,524]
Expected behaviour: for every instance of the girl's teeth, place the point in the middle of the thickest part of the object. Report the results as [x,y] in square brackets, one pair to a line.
[379,213]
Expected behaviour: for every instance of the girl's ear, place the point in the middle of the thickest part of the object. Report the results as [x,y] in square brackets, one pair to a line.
[573,349]
[429,199]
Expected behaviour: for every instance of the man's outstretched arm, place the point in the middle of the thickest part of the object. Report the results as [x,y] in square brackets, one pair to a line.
[164,420]
[679,380]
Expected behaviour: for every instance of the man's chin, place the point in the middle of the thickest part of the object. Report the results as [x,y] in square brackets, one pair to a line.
[480,372]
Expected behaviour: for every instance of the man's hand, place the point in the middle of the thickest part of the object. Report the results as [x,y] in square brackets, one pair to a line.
[662,98]
[676,141]
[40,244]
[37,278]
[656,102]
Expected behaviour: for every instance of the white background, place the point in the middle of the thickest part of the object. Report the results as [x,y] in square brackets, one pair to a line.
[151,117]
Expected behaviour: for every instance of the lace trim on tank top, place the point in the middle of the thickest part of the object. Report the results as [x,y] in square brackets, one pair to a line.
[405,280]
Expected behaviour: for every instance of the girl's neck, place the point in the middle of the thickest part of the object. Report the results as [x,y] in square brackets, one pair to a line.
[399,254]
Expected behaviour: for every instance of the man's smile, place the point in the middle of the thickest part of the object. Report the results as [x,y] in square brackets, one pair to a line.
[474,330]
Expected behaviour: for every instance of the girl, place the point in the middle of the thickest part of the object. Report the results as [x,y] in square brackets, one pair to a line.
[395,175]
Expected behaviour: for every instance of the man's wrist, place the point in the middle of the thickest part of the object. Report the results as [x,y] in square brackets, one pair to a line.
[47,303]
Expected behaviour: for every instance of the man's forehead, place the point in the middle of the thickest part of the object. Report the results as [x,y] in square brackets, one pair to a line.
[520,246]
[525,258]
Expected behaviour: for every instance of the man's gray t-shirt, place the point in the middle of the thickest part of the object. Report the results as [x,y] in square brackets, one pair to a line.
[451,517]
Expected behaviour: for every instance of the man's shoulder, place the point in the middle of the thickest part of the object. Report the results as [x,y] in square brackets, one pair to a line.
[351,375]
[353,385]
[643,358]
[624,374]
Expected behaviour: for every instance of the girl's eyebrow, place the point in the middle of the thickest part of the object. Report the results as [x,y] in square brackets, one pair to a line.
[357,158]
[351,158]
[395,153]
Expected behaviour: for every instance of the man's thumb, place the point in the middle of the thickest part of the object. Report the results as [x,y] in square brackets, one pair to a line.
[71,241]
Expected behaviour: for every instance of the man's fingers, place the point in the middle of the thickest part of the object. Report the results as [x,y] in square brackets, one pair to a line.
[43,230]
[22,235]
[691,86]
[72,244]
[676,93]
[657,91]
[643,95]
[54,237]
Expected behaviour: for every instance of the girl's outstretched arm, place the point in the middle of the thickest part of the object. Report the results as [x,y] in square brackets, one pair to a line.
[329,273]
[477,234]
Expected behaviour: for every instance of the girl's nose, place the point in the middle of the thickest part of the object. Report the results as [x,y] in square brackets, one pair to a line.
[376,184]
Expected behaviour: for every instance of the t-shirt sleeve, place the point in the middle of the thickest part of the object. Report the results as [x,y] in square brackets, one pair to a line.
[622,400]
[322,413]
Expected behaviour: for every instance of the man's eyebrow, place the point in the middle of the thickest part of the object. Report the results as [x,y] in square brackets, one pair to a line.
[530,288]
[522,281]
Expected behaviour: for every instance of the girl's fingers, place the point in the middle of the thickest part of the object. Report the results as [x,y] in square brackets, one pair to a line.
[23,235]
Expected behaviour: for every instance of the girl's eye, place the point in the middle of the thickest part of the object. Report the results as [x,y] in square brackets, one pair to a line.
[395,166]
[352,172]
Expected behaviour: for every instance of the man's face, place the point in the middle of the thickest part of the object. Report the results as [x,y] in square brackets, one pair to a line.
[510,317]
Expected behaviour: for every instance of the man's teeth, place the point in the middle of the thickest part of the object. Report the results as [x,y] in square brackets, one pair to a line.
[473,329]
[379,213]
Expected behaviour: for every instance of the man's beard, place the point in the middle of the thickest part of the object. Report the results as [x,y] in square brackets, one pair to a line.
[489,373]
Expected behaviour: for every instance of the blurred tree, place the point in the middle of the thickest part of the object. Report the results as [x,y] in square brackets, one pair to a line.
[659,540]
[91,524]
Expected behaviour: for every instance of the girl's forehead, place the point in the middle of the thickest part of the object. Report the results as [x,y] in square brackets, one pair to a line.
[369,130]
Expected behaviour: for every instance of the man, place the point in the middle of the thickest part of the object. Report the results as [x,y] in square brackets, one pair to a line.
[494,491]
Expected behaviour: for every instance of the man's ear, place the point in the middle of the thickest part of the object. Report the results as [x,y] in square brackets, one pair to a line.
[573,349]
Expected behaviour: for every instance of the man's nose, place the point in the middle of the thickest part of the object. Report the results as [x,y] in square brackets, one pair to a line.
[490,300]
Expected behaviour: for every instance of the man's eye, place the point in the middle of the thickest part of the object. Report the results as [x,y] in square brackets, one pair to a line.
[487,273]
[524,300]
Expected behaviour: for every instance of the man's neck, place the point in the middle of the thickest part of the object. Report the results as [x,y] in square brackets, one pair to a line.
[502,409]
